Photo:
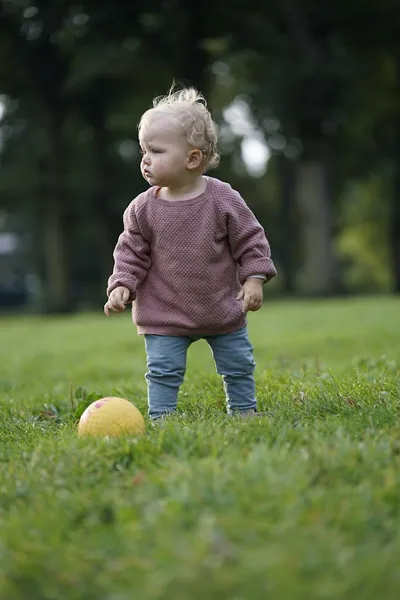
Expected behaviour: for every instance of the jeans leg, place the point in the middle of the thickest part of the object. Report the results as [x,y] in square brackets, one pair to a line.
[166,363]
[233,356]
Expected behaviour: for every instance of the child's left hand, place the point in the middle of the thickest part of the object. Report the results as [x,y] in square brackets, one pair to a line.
[251,294]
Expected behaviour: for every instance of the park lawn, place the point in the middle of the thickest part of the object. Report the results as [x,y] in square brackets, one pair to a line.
[302,505]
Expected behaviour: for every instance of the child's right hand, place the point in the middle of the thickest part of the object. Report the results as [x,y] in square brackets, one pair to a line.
[117,300]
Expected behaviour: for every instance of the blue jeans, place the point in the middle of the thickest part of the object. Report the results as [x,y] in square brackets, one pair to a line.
[166,363]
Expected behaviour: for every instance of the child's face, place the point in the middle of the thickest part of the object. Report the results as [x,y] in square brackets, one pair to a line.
[166,153]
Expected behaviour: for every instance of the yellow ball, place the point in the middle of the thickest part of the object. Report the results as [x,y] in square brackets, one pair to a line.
[111,416]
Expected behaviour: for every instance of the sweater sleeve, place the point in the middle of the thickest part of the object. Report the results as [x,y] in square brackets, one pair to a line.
[131,256]
[249,245]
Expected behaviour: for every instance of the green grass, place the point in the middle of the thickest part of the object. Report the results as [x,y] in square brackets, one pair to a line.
[303,505]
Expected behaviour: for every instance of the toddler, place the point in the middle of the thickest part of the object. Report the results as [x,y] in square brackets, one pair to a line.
[192,258]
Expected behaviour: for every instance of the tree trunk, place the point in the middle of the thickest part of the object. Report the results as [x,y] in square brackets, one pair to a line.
[193,61]
[103,177]
[395,197]
[395,220]
[316,276]
[57,285]
[56,289]
[285,169]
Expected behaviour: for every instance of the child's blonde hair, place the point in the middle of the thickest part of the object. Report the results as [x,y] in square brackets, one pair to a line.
[189,108]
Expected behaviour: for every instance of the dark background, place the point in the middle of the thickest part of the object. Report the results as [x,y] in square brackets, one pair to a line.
[312,86]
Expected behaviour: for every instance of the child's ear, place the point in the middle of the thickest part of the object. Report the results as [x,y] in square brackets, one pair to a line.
[195,158]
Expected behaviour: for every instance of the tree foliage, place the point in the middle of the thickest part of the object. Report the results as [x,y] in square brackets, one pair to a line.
[322,84]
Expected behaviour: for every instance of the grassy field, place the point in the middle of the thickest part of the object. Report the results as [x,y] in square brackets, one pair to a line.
[303,505]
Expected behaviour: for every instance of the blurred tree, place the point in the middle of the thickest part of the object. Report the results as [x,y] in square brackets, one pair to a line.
[370,147]
[108,80]
[83,73]
[395,204]
[306,65]
[38,76]
[298,72]
[103,48]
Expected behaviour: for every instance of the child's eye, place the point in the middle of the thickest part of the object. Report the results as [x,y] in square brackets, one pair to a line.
[153,150]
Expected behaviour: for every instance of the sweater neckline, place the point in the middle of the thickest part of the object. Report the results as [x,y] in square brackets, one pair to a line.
[187,202]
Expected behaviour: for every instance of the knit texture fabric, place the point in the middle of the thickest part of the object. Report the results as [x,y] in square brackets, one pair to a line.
[184,261]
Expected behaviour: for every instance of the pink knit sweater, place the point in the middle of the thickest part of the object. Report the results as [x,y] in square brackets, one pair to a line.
[184,261]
